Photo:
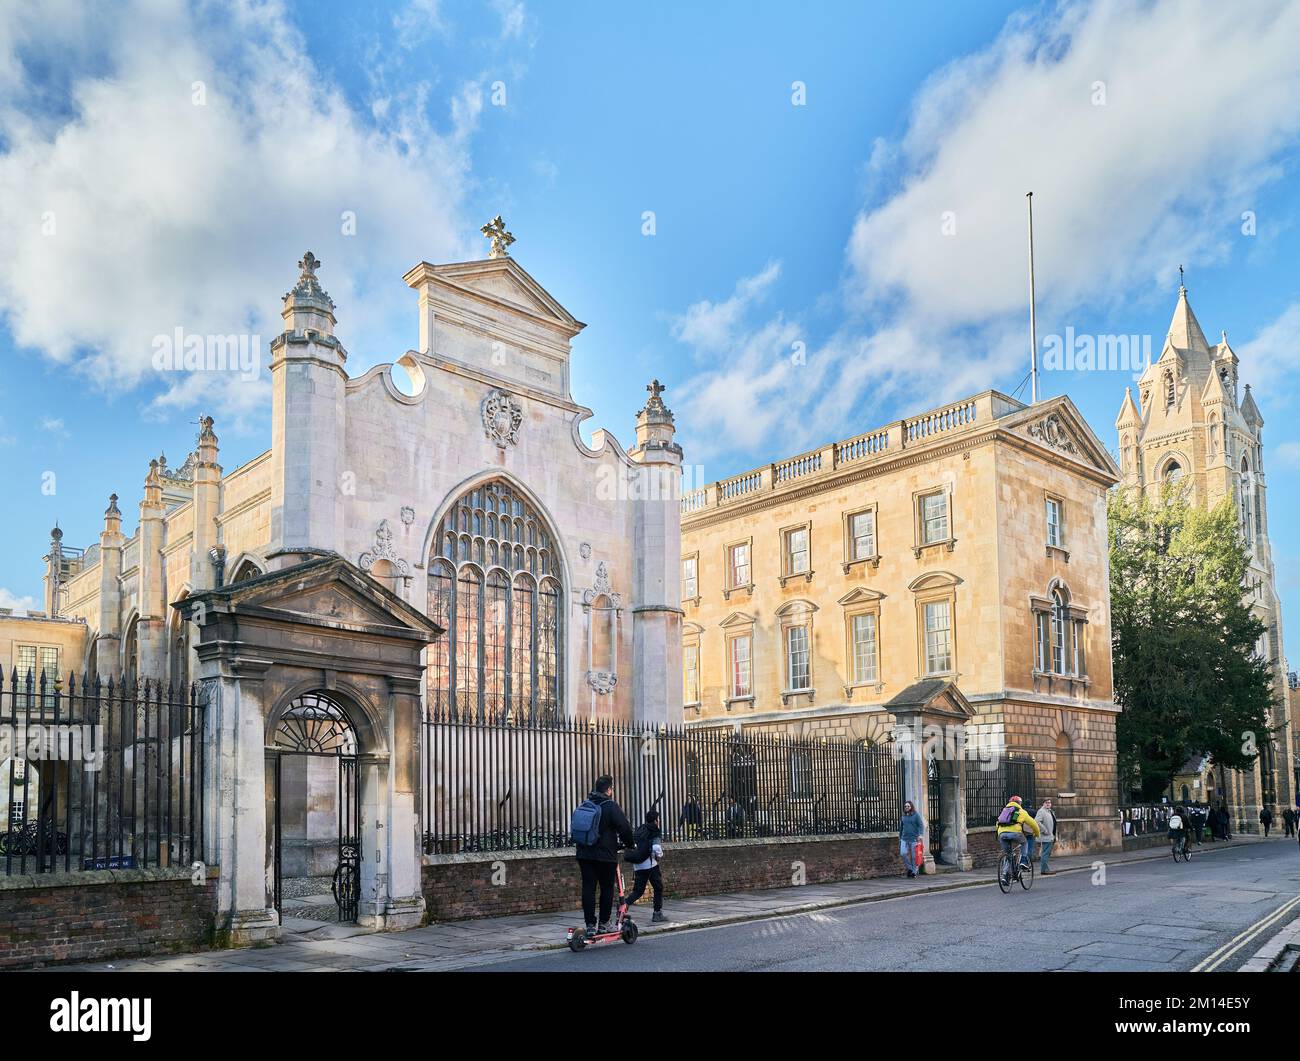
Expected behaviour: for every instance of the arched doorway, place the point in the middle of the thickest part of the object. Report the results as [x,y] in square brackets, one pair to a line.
[315,833]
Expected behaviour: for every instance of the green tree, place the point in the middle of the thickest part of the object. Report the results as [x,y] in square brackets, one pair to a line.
[1187,676]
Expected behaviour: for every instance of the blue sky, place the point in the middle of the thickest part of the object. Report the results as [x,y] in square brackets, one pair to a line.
[165,165]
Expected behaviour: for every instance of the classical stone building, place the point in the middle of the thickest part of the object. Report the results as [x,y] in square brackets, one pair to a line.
[434,539]
[950,567]
[1195,424]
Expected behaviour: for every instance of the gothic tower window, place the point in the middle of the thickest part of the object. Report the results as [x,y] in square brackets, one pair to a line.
[493,587]
[1173,472]
[1246,499]
[1171,393]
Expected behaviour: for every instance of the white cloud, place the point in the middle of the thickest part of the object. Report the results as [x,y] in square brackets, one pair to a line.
[169,214]
[710,327]
[416,20]
[20,605]
[1200,100]
[1287,454]
[1273,355]
[1199,97]
[513,18]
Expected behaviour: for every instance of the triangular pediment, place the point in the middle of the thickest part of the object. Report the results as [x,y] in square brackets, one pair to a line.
[737,619]
[861,595]
[324,591]
[931,699]
[502,281]
[1057,425]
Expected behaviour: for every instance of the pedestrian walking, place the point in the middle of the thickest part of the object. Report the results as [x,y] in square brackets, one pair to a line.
[599,829]
[1288,822]
[691,817]
[910,830]
[1197,815]
[1225,822]
[1046,819]
[649,850]
[1266,820]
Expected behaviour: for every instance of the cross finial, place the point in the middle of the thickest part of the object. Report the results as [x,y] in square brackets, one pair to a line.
[655,388]
[495,231]
[309,264]
[1181,286]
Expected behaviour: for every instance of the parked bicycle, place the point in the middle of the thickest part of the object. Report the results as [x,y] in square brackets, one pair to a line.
[30,839]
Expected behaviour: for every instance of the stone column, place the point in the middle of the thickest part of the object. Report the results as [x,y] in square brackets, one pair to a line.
[108,644]
[207,506]
[392,896]
[910,750]
[657,608]
[308,424]
[151,634]
[235,795]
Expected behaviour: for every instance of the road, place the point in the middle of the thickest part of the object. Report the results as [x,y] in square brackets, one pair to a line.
[1146,916]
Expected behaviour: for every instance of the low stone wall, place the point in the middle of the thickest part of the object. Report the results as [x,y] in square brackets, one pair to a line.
[519,882]
[74,917]
[1079,836]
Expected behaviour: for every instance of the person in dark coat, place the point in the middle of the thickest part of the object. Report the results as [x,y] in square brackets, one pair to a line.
[1288,822]
[1266,820]
[599,861]
[692,816]
[1197,816]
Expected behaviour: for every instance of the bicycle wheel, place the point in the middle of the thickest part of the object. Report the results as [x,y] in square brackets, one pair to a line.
[1027,876]
[1004,874]
[1173,847]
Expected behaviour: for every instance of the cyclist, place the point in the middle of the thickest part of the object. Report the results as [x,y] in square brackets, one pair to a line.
[1178,829]
[1012,825]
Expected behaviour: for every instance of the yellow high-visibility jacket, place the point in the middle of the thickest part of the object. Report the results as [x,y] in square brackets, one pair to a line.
[1023,818]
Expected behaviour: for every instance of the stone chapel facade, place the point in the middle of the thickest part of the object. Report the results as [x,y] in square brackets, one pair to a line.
[1194,423]
[465,489]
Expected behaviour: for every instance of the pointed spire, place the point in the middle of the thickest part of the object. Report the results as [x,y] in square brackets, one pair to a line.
[1184,330]
[1250,411]
[1128,411]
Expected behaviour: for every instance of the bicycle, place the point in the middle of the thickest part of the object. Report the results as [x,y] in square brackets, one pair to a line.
[1011,869]
[1180,848]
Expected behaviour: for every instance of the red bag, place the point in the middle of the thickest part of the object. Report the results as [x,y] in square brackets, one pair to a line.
[920,854]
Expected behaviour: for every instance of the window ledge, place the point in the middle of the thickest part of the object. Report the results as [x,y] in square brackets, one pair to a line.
[874,687]
[732,700]
[748,590]
[693,704]
[1056,550]
[692,601]
[874,561]
[788,694]
[948,544]
[805,575]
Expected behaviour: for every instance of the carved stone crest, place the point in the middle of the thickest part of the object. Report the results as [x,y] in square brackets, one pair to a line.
[602,681]
[408,515]
[502,418]
[383,550]
[1051,431]
[584,550]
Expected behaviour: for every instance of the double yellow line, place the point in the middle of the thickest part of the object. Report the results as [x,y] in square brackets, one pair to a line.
[1243,938]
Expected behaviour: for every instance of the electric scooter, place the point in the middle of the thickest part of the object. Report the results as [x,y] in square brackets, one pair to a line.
[624,927]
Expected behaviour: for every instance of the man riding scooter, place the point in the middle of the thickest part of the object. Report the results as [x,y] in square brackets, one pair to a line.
[610,831]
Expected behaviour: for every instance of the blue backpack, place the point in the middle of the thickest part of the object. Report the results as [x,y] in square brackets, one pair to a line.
[584,827]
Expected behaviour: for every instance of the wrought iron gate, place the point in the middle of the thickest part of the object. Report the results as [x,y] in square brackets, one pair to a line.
[316,725]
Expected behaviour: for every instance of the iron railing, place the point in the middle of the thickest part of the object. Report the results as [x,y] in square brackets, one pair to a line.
[1145,819]
[99,775]
[987,791]
[496,786]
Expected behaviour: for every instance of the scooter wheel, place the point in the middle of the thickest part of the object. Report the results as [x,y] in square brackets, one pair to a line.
[576,943]
[630,932]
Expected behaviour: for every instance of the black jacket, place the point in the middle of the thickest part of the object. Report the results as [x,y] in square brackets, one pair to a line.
[614,827]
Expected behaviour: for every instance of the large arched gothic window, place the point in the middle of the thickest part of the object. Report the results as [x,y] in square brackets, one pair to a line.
[493,586]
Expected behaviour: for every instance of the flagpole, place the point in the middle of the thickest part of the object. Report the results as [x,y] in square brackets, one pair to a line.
[1033,324]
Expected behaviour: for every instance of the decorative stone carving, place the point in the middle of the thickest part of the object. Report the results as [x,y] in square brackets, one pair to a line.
[601,587]
[384,550]
[502,418]
[408,515]
[602,681]
[498,238]
[1051,431]
[584,550]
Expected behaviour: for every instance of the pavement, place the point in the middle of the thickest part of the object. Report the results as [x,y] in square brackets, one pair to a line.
[310,946]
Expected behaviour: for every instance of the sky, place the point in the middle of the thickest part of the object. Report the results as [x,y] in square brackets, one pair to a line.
[806,219]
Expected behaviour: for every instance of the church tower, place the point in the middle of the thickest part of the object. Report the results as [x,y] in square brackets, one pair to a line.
[1194,424]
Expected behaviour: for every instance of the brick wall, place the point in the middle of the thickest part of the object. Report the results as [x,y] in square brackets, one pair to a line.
[67,917]
[462,886]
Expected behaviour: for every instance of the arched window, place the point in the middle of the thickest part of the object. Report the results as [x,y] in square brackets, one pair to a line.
[1173,472]
[493,588]
[1171,393]
[1058,631]
[246,570]
[1246,498]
